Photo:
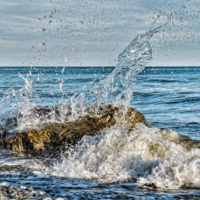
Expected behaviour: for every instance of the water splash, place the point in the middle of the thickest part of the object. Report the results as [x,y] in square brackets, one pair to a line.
[147,155]
[117,87]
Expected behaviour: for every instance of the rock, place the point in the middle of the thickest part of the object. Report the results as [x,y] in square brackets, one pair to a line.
[51,140]
[23,194]
[4,192]
[27,195]
[9,191]
[41,194]
[22,187]
[11,196]
[18,195]
[182,140]
[30,189]
[16,142]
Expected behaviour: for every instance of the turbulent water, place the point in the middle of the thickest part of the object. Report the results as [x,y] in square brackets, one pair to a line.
[145,163]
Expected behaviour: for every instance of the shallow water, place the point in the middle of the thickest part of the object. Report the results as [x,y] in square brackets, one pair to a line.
[168,98]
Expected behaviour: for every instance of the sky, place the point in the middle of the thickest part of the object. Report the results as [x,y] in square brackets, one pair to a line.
[95,32]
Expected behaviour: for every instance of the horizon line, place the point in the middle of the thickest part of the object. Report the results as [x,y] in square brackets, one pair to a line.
[95,66]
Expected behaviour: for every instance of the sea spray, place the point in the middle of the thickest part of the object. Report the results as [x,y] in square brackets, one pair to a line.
[117,87]
[148,155]
[151,156]
[144,154]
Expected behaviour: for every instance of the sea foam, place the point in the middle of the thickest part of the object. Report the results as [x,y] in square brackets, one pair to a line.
[144,154]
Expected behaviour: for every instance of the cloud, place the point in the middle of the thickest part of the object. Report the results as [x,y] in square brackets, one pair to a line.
[87,31]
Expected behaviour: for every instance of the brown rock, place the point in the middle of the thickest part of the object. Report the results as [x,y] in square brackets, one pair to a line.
[4,192]
[18,196]
[11,196]
[30,189]
[51,140]
[27,195]
[19,189]
[9,191]
[16,142]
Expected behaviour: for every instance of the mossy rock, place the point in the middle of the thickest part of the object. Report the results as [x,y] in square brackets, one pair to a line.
[52,140]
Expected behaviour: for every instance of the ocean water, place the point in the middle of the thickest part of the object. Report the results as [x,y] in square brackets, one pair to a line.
[144,163]
[167,96]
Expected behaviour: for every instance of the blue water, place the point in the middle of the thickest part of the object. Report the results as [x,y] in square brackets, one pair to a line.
[168,97]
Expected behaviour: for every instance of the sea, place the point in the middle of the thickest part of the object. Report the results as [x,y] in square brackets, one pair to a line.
[145,163]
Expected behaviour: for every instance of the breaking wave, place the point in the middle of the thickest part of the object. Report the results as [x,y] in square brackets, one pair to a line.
[151,156]
[148,155]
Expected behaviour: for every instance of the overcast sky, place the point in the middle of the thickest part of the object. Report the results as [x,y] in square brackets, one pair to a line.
[94,32]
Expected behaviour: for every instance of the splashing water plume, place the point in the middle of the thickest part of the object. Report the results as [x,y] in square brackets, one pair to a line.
[116,88]
[146,154]
[75,133]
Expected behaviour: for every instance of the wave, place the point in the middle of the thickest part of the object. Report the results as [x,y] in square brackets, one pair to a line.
[115,90]
[153,157]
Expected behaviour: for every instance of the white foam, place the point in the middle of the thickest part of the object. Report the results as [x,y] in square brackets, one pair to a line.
[174,173]
[4,184]
[147,154]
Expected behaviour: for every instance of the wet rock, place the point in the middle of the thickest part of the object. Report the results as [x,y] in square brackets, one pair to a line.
[18,196]
[30,189]
[2,188]
[16,142]
[10,191]
[22,187]
[51,140]
[27,195]
[41,194]
[4,192]
[182,140]
[11,196]
[14,192]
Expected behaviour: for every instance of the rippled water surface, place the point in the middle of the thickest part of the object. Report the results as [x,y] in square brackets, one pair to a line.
[169,97]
